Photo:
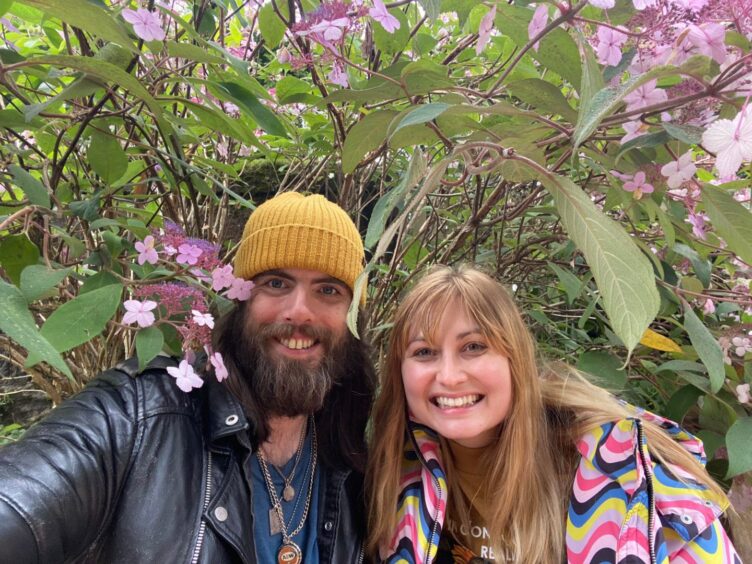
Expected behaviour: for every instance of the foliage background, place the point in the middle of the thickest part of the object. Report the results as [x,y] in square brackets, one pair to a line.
[471,133]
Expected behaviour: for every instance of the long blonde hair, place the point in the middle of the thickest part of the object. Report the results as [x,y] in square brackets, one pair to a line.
[532,463]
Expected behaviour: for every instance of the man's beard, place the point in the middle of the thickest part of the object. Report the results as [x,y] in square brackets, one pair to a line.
[286,386]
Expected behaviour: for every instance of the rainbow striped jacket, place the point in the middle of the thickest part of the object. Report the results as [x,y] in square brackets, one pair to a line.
[624,508]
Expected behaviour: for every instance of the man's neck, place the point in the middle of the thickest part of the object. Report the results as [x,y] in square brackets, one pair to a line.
[284,437]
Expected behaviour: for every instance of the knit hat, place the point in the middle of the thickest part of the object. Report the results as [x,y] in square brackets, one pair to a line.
[296,231]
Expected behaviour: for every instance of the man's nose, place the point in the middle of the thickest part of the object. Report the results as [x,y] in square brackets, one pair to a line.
[450,371]
[298,309]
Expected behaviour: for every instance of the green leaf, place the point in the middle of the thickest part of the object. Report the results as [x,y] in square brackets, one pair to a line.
[87,16]
[383,208]
[701,266]
[18,324]
[623,274]
[107,157]
[731,220]
[81,319]
[432,8]
[544,96]
[33,188]
[291,90]
[16,253]
[213,118]
[250,105]
[38,279]
[417,115]
[391,42]
[192,52]
[366,135]
[79,88]
[5,6]
[592,78]
[605,368]
[13,119]
[706,346]
[737,444]
[272,28]
[682,401]
[86,209]
[149,343]
[572,285]
[690,134]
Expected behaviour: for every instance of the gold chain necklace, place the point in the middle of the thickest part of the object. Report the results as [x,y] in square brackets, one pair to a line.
[289,552]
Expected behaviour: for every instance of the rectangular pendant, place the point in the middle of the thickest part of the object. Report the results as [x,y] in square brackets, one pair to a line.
[275,526]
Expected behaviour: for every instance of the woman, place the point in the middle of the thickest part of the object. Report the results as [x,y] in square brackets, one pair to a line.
[486,458]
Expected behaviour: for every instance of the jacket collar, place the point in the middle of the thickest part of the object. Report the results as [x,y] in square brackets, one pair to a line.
[224,413]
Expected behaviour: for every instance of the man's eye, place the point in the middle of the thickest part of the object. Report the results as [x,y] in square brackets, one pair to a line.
[330,290]
[276,283]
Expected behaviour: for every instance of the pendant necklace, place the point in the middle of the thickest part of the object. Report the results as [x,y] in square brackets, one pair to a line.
[289,552]
[288,492]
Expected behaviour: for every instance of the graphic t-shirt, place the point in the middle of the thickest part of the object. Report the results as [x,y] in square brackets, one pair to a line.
[469,542]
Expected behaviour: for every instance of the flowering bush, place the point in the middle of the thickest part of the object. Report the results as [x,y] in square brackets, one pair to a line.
[595,154]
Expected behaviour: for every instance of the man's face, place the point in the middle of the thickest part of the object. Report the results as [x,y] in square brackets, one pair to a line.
[296,323]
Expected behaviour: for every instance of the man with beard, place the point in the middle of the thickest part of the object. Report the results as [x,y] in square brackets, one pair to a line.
[264,468]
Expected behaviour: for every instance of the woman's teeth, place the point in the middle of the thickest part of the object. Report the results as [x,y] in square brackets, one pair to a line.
[464,401]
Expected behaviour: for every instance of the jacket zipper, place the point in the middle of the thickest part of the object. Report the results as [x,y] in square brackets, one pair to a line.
[202,526]
[651,498]
[361,554]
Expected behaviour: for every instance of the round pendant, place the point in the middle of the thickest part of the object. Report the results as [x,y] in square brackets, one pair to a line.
[289,553]
[288,494]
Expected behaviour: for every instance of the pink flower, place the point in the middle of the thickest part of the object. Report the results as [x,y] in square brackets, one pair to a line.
[220,370]
[742,393]
[605,4]
[331,30]
[485,29]
[139,312]
[537,23]
[381,15]
[146,251]
[185,377]
[709,40]
[222,277]
[609,45]
[240,290]
[642,4]
[170,250]
[201,318]
[338,76]
[697,221]
[742,345]
[645,95]
[634,129]
[708,307]
[188,254]
[146,24]
[679,171]
[731,141]
[638,185]
[283,55]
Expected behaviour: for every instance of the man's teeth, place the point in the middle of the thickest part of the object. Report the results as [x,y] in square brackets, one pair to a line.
[297,344]
[464,401]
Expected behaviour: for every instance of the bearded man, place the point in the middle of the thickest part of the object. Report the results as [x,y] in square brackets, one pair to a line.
[265,468]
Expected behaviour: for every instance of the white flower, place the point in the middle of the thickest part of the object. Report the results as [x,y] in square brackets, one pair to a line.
[139,312]
[679,171]
[731,141]
[185,377]
[203,318]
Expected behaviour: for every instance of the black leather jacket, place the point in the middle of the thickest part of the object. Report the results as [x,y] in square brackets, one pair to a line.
[134,470]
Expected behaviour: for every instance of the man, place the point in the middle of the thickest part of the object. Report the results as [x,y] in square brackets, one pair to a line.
[263,468]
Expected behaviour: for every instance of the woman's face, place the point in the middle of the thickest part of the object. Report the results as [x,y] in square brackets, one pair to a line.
[458,386]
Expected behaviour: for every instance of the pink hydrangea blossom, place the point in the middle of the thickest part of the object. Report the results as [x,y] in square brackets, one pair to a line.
[709,39]
[331,31]
[538,23]
[220,370]
[283,55]
[139,312]
[222,277]
[697,221]
[485,29]
[185,377]
[679,171]
[203,318]
[188,254]
[610,42]
[708,307]
[146,24]
[605,4]
[642,4]
[731,141]
[634,129]
[639,185]
[146,251]
[742,393]
[741,345]
[645,95]
[240,290]
[338,76]
[382,15]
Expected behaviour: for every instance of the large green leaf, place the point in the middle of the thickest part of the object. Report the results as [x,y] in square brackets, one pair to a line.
[706,346]
[272,28]
[544,96]
[249,104]
[33,188]
[731,220]
[365,136]
[149,343]
[623,274]
[418,115]
[192,52]
[38,279]
[18,324]
[107,157]
[605,368]
[16,253]
[81,319]
[738,446]
[88,16]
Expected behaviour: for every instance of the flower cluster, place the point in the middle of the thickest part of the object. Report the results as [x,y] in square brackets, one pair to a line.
[197,274]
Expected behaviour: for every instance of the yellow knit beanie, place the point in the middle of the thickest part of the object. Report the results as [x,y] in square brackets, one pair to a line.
[296,231]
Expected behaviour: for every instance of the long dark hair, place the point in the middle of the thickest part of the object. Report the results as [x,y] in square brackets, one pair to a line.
[341,421]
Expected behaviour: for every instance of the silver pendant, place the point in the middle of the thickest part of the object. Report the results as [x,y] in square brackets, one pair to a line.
[275,527]
[288,494]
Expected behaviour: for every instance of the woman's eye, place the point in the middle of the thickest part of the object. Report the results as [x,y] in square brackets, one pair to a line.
[422,353]
[475,347]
